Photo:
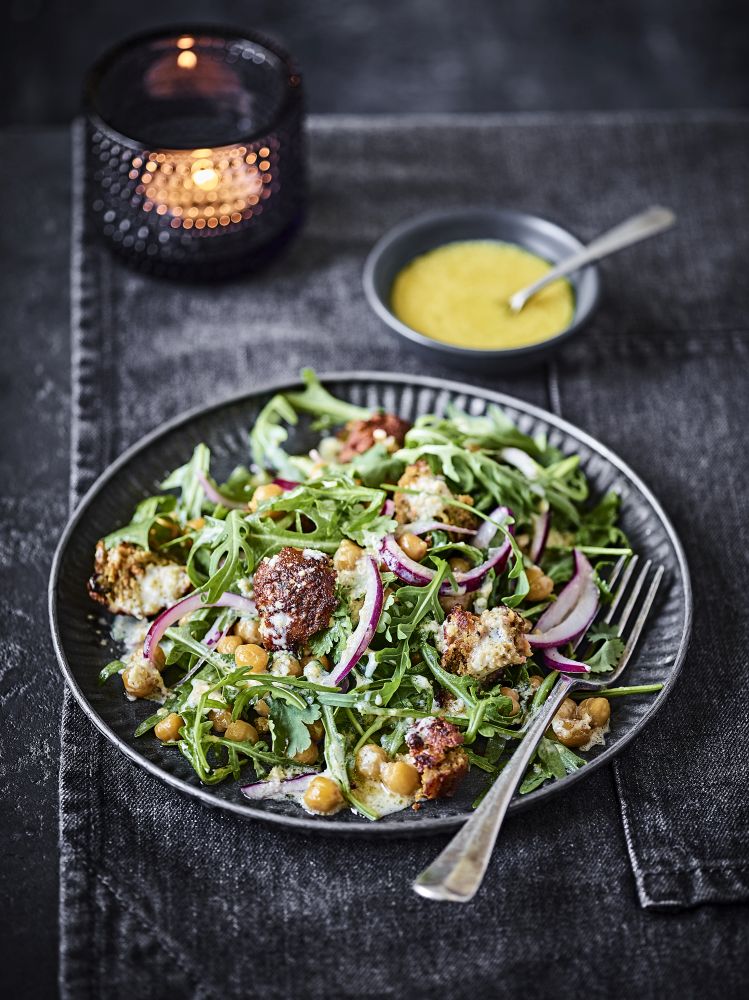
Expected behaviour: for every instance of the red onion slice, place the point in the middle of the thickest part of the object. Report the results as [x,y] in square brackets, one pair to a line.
[287,485]
[485,535]
[571,615]
[274,787]
[554,660]
[423,527]
[541,525]
[189,604]
[413,573]
[369,616]
[521,461]
[388,508]
[213,494]
[568,596]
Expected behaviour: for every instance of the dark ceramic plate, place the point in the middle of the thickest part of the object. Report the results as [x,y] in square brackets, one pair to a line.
[81,635]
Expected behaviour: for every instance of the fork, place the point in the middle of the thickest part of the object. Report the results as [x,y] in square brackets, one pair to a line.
[456,874]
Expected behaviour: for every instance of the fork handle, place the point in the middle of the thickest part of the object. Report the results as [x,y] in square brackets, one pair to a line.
[456,874]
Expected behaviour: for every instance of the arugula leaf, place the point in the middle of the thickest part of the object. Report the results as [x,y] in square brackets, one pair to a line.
[231,556]
[376,465]
[598,526]
[138,531]
[320,403]
[110,670]
[288,726]
[492,431]
[552,761]
[190,504]
[267,436]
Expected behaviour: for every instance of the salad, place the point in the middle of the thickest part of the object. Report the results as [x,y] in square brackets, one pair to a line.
[359,626]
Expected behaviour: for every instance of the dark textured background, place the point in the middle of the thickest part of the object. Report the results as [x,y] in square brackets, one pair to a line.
[413,55]
[416,55]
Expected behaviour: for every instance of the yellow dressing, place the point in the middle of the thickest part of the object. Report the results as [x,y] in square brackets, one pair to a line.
[458,294]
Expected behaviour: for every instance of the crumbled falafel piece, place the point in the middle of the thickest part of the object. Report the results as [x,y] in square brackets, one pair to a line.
[129,580]
[295,596]
[442,781]
[435,749]
[382,428]
[482,645]
[433,503]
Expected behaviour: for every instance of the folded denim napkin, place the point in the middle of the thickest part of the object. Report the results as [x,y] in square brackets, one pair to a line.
[160,896]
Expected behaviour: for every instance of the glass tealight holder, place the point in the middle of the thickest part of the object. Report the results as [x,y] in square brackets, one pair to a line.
[195,151]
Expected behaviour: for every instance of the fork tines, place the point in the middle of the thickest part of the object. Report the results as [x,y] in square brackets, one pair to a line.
[635,593]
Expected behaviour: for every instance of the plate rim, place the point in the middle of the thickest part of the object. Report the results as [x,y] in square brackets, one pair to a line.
[307,824]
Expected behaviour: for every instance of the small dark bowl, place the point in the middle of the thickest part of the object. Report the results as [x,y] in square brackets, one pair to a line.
[417,236]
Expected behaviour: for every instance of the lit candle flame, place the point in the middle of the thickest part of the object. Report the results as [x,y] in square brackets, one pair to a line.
[187,60]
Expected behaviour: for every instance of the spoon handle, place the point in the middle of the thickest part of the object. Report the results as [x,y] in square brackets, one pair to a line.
[456,874]
[637,228]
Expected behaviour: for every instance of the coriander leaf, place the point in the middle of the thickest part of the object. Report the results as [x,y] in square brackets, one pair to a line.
[288,728]
[608,654]
[335,637]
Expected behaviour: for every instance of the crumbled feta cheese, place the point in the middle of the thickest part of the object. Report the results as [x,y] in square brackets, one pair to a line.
[275,627]
[314,672]
[197,690]
[430,501]
[284,664]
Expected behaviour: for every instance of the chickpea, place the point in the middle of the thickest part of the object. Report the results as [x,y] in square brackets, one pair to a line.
[262,708]
[567,710]
[598,709]
[228,644]
[308,756]
[322,660]
[571,732]
[264,493]
[369,760]
[316,731]
[195,523]
[540,586]
[459,565]
[140,680]
[513,695]
[568,728]
[450,601]
[168,523]
[400,777]
[323,795]
[169,727]
[221,719]
[286,665]
[251,655]
[347,555]
[414,547]
[158,658]
[241,732]
[248,630]
[535,682]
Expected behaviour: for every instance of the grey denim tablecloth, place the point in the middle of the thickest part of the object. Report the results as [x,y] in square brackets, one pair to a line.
[161,897]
